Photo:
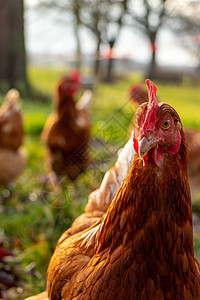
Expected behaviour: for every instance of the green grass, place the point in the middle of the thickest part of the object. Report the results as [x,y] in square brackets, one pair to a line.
[35,215]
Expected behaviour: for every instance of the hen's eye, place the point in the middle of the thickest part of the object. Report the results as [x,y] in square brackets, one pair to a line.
[166,124]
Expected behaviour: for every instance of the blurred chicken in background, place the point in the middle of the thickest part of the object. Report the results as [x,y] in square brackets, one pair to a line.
[67,131]
[13,156]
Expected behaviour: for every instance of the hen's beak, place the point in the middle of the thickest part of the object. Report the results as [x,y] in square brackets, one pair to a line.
[145,145]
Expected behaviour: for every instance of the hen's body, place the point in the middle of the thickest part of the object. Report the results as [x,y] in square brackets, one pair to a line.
[67,134]
[13,157]
[142,248]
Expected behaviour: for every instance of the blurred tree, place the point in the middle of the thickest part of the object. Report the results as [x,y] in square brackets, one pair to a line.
[104,18]
[76,8]
[115,16]
[184,20]
[148,16]
[12,49]
[68,13]
[91,17]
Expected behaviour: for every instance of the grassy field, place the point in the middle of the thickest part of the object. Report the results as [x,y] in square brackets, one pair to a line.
[34,216]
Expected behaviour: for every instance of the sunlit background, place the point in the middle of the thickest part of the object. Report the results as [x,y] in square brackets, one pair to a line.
[44,25]
[112,44]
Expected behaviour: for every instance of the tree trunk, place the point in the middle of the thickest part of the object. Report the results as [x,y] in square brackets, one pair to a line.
[97,59]
[78,47]
[109,75]
[12,48]
[76,12]
[152,67]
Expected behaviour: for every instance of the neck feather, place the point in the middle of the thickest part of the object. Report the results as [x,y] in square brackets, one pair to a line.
[66,108]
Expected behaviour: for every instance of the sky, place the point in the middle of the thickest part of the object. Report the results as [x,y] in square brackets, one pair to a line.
[45,36]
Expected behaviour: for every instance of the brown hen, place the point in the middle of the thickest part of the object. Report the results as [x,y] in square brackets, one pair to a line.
[67,131]
[142,248]
[138,95]
[13,157]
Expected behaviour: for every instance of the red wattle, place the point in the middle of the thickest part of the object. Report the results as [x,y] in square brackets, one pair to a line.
[135,144]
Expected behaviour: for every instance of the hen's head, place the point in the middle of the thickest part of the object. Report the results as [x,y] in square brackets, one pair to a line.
[69,85]
[157,129]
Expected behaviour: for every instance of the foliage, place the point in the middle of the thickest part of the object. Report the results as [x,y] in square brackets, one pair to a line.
[31,213]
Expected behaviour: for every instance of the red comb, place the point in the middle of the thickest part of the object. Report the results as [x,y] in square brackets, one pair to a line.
[70,83]
[152,107]
[152,89]
[74,75]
